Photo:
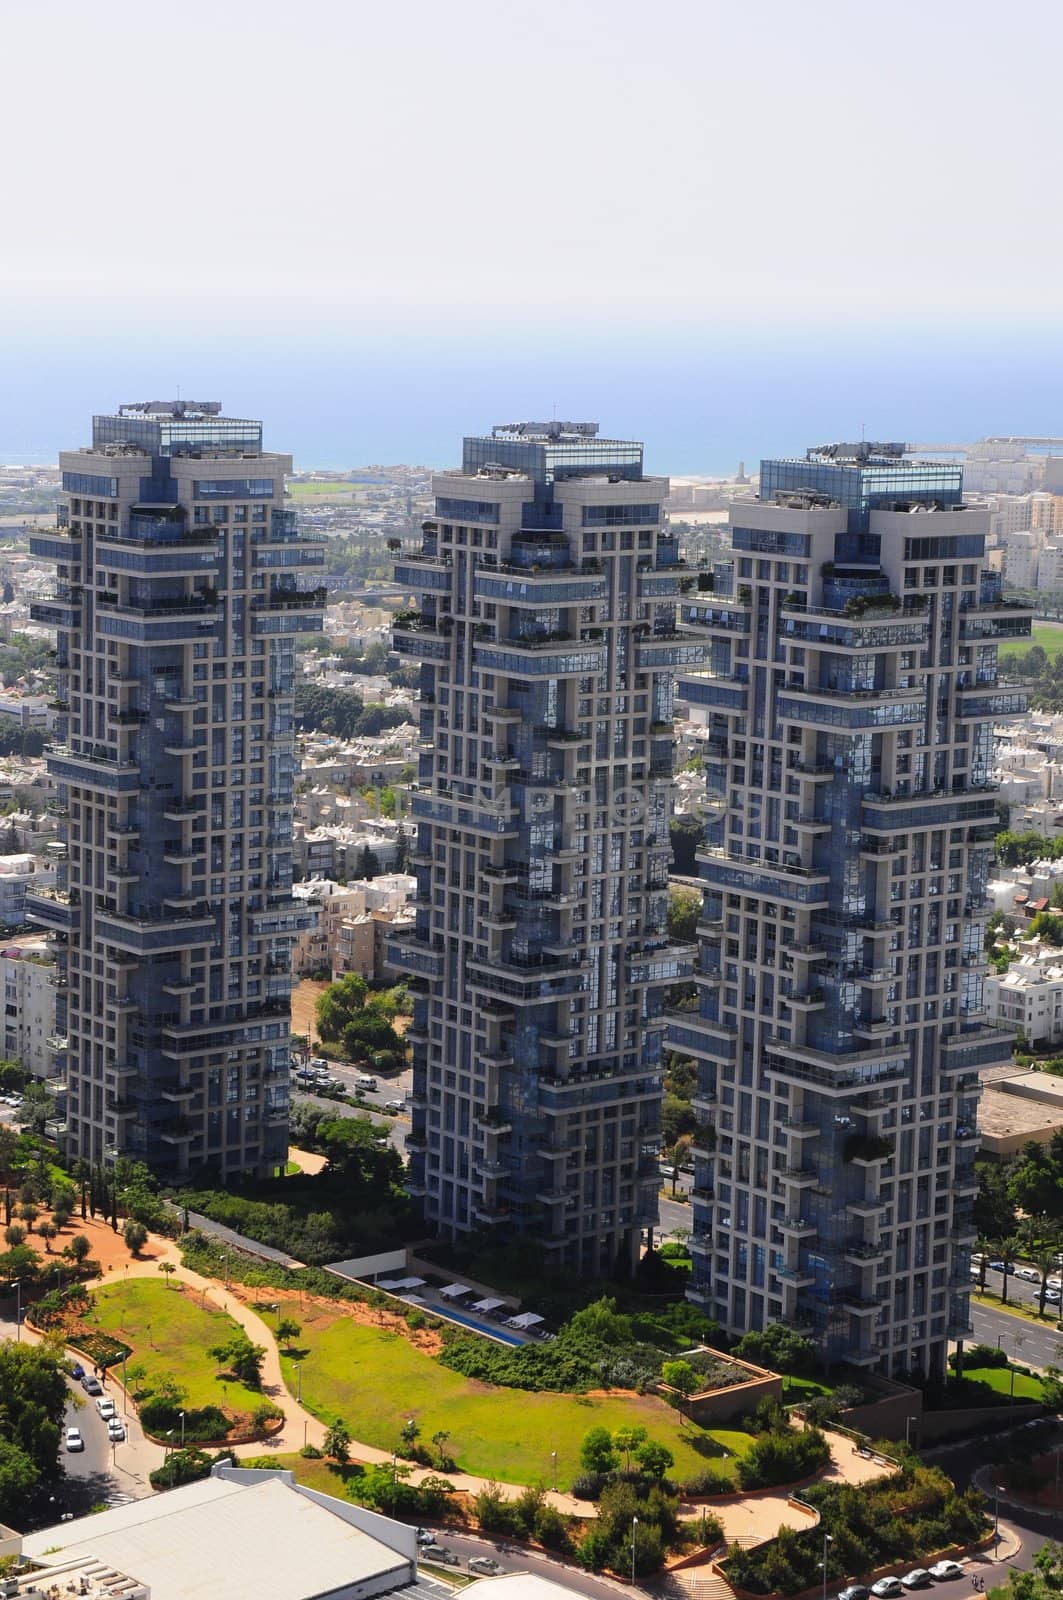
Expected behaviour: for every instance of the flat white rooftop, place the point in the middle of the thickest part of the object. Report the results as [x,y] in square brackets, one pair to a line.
[223,1539]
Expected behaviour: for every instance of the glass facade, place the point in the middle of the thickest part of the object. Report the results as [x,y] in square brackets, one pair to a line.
[862,486]
[177,433]
[545,459]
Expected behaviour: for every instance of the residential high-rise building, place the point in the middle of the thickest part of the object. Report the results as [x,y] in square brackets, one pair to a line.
[176,609]
[547,633]
[839,1031]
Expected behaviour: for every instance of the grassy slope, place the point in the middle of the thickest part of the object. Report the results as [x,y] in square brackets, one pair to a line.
[171,1333]
[1049,635]
[374,1379]
[999,1378]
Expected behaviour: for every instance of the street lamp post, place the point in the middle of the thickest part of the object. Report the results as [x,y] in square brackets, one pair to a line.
[170,1454]
[634,1525]
[125,1385]
[826,1541]
[182,1416]
[997,1492]
[907,1429]
[17,1286]
[553,1458]
[299,1376]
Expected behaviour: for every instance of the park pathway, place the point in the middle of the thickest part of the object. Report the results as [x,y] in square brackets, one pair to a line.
[749,1518]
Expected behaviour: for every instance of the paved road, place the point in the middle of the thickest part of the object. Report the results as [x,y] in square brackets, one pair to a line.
[339,1108]
[513,1559]
[1024,1341]
[674,1214]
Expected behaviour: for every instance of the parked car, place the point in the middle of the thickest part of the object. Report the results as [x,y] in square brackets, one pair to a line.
[395,1105]
[440,1552]
[1052,1297]
[115,1430]
[77,1372]
[918,1578]
[105,1406]
[887,1588]
[91,1384]
[855,1591]
[1029,1274]
[488,1566]
[364,1081]
[74,1441]
[425,1536]
[943,1570]
[998,1266]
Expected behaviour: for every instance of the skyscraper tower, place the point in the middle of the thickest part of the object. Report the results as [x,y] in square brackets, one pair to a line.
[176,608]
[839,1034]
[547,633]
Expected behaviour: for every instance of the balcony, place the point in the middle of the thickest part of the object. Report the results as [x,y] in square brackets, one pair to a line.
[155,933]
[180,620]
[799,1177]
[88,770]
[541,658]
[53,908]
[796,1227]
[797,1277]
[770,880]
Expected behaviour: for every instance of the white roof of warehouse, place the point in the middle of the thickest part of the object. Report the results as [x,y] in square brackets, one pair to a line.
[224,1540]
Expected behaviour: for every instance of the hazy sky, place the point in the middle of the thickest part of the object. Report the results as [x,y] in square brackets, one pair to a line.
[406,169]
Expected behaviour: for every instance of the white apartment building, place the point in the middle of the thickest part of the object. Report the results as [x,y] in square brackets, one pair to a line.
[1029,996]
[34,1007]
[17,874]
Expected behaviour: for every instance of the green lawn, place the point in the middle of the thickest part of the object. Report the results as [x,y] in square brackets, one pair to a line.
[374,1379]
[999,1378]
[170,1332]
[326,489]
[796,1389]
[1049,635]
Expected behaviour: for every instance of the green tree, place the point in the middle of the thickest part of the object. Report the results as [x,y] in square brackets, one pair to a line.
[242,1358]
[682,1377]
[34,1395]
[596,1453]
[79,1248]
[439,1439]
[135,1235]
[168,1269]
[655,1459]
[627,1440]
[288,1330]
[684,912]
[778,1348]
[338,1441]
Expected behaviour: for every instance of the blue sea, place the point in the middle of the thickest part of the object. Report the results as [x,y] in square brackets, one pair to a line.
[702,401]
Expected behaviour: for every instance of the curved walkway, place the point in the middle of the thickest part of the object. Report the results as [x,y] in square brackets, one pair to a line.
[750,1518]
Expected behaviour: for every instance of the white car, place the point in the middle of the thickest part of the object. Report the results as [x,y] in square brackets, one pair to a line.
[105,1406]
[74,1441]
[116,1431]
[1029,1274]
[942,1570]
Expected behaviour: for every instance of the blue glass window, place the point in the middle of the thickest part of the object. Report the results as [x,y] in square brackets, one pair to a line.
[620,516]
[90,483]
[234,488]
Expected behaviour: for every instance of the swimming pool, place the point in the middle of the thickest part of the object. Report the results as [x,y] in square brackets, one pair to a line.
[490,1328]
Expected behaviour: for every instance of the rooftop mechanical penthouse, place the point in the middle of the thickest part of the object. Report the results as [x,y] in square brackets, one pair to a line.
[548,641]
[180,590]
[838,1032]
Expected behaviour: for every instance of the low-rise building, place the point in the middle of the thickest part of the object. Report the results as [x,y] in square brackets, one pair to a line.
[34,1023]
[1016,1108]
[240,1534]
[17,874]
[1029,996]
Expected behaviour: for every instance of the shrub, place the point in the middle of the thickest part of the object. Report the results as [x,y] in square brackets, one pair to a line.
[310,1452]
[707,1481]
[981,1355]
[587,1485]
[776,1458]
[158,1416]
[186,1466]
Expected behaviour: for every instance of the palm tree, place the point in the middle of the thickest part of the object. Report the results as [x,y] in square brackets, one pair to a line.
[983,1248]
[1005,1250]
